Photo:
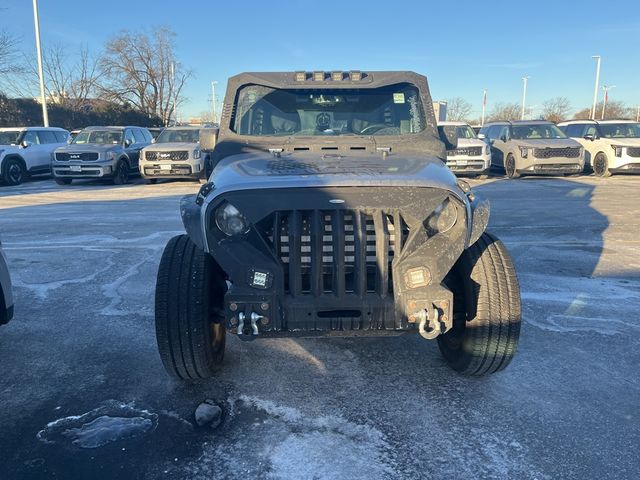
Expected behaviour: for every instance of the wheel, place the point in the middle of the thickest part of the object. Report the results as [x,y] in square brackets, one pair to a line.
[601,165]
[152,181]
[189,299]
[63,181]
[510,167]
[486,310]
[121,175]
[14,172]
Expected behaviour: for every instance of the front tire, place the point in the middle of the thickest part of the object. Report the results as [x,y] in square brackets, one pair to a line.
[14,172]
[601,165]
[121,175]
[510,167]
[190,329]
[486,312]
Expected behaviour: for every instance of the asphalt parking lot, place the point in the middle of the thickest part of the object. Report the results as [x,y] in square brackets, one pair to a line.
[82,348]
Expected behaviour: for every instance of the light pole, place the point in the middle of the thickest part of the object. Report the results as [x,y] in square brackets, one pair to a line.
[525,79]
[213,102]
[606,89]
[484,105]
[598,58]
[638,113]
[43,96]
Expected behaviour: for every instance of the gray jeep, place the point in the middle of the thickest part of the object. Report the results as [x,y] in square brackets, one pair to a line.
[330,211]
[101,152]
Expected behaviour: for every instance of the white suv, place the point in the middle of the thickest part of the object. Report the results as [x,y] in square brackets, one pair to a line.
[26,151]
[472,155]
[611,146]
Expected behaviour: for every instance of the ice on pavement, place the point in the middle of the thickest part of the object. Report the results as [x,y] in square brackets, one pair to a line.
[108,423]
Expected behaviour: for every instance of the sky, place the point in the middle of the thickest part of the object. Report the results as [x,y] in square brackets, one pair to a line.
[462,47]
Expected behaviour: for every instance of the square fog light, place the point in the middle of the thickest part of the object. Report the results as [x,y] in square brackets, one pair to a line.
[260,278]
[417,277]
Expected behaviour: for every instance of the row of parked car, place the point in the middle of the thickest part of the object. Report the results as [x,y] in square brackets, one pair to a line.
[540,147]
[515,148]
[111,153]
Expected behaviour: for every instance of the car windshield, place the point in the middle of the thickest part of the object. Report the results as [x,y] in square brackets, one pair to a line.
[463,131]
[10,137]
[184,135]
[389,110]
[535,132]
[102,137]
[620,130]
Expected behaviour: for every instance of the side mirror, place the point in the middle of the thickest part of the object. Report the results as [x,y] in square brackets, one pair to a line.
[481,136]
[69,140]
[127,143]
[153,140]
[449,136]
[24,143]
[590,136]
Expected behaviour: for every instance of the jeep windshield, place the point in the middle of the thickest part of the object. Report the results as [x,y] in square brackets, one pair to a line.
[389,110]
[10,137]
[620,130]
[536,132]
[101,137]
[179,136]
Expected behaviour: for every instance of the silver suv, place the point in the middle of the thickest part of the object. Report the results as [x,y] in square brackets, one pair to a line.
[472,156]
[532,147]
[611,146]
[6,296]
[26,151]
[176,153]
[101,152]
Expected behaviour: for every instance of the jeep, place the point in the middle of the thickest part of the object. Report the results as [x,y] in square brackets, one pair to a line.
[611,146]
[101,153]
[27,151]
[330,211]
[176,153]
[532,147]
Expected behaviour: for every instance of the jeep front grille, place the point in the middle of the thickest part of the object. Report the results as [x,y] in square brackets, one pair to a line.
[466,152]
[337,251]
[82,156]
[566,152]
[633,152]
[161,155]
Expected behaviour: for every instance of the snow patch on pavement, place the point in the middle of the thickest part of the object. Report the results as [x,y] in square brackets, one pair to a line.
[108,423]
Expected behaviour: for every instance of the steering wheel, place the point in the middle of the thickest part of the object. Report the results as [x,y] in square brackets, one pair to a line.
[374,128]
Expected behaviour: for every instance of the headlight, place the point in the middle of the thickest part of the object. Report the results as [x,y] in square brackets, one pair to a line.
[230,221]
[524,152]
[110,155]
[617,149]
[196,153]
[487,149]
[443,218]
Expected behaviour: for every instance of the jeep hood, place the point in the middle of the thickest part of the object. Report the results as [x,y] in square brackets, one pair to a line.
[261,170]
[547,143]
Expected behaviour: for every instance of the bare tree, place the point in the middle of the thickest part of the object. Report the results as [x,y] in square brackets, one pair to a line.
[142,70]
[458,109]
[615,110]
[8,56]
[505,111]
[556,109]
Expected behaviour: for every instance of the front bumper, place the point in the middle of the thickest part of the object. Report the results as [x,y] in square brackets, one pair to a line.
[624,164]
[334,267]
[82,170]
[175,169]
[469,165]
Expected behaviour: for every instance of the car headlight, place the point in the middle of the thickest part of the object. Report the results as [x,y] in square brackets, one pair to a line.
[487,149]
[617,150]
[196,153]
[230,221]
[524,152]
[443,218]
[110,155]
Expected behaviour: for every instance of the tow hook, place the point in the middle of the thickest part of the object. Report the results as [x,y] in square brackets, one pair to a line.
[247,332]
[434,324]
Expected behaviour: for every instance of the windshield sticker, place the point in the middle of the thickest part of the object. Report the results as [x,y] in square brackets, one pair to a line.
[398,98]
